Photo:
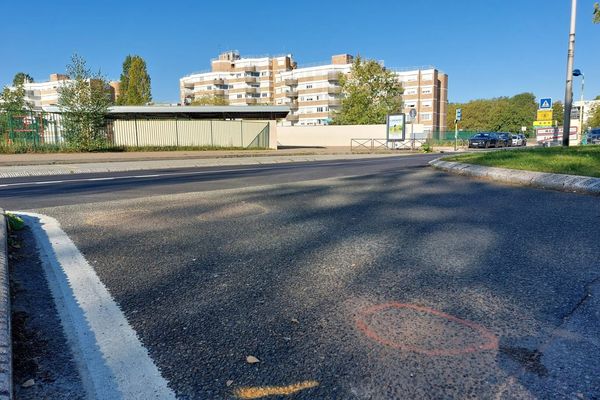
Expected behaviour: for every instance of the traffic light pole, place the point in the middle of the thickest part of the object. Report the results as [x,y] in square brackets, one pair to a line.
[569,86]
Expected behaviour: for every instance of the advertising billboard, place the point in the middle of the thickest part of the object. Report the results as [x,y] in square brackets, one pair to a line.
[396,127]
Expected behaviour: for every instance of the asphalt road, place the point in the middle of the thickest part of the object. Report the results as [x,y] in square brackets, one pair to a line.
[387,280]
[46,191]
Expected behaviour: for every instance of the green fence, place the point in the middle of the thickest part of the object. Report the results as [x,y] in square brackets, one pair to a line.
[20,128]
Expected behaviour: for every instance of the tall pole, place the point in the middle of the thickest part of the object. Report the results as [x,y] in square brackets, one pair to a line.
[581,108]
[569,86]
[455,134]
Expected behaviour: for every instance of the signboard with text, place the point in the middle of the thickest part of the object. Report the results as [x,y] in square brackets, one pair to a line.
[542,123]
[544,115]
[396,127]
[546,135]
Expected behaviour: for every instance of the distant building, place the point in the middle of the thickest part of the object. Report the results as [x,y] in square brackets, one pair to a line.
[312,92]
[588,108]
[241,81]
[46,93]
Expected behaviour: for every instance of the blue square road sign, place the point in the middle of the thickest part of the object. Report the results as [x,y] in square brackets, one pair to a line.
[545,104]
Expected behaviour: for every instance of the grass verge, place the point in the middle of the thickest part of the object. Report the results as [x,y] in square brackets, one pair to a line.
[580,160]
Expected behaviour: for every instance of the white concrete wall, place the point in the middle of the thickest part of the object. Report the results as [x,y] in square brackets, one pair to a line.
[335,135]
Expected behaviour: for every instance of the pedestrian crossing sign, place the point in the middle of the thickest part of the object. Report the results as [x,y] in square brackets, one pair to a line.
[545,104]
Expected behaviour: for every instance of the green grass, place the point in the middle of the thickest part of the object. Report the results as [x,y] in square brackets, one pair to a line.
[580,160]
[23,148]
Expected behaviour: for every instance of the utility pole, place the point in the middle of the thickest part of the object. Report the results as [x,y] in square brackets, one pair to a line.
[569,86]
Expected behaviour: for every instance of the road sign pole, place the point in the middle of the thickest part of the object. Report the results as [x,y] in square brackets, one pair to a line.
[569,85]
[455,135]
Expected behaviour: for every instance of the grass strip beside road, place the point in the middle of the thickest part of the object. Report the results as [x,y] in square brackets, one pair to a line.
[580,160]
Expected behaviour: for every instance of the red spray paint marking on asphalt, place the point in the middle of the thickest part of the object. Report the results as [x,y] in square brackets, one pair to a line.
[491,342]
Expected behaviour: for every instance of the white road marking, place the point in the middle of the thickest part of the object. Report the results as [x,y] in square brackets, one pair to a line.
[113,362]
[167,174]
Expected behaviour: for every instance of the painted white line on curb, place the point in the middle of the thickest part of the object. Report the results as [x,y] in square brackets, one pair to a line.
[113,362]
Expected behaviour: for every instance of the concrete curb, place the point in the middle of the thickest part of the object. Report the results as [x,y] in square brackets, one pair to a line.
[542,180]
[5,331]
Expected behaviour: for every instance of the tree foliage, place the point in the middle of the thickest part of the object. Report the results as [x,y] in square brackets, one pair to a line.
[135,82]
[210,101]
[501,114]
[84,102]
[596,17]
[370,93]
[20,78]
[558,112]
[594,119]
[13,99]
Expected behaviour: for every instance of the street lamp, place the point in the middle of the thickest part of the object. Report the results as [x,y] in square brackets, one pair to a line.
[577,72]
[569,85]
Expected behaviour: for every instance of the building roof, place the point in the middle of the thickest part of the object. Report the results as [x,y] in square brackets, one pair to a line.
[193,112]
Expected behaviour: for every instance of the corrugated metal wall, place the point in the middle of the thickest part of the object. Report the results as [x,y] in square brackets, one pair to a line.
[247,134]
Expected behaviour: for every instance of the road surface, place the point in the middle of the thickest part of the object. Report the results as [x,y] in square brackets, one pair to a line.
[374,280]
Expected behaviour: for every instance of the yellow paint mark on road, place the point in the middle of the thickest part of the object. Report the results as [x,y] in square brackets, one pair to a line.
[264,391]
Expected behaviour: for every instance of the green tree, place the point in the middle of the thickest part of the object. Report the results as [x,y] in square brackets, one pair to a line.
[370,93]
[135,82]
[84,102]
[210,101]
[594,119]
[13,99]
[597,97]
[21,77]
[501,114]
[558,112]
[596,17]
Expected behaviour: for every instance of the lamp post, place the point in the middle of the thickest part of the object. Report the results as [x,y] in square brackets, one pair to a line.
[577,72]
[569,85]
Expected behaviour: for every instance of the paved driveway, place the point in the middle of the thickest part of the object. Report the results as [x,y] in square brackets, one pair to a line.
[406,284]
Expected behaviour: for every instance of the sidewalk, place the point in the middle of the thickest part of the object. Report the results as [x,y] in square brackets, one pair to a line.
[77,163]
[80,158]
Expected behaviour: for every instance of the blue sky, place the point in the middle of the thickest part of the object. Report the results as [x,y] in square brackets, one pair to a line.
[488,48]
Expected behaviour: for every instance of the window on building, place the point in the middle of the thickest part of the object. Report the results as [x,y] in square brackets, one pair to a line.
[319,109]
[427,77]
[426,91]
[264,94]
[239,96]
[426,116]
[309,86]
[426,103]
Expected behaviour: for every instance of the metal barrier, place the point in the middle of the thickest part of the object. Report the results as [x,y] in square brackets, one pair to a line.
[383,144]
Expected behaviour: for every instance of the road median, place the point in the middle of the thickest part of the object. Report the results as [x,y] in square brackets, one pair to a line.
[542,180]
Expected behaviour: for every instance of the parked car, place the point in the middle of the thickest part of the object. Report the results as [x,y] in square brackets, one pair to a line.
[484,139]
[505,139]
[519,140]
[523,139]
[593,136]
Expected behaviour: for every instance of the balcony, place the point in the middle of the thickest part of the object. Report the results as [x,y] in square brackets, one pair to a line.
[334,90]
[292,94]
[218,81]
[251,90]
[292,117]
[293,105]
[334,102]
[250,79]
[333,76]
[215,92]
[291,82]
[251,100]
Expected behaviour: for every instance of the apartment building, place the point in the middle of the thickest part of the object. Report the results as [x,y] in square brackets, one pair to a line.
[239,81]
[312,92]
[46,93]
[426,90]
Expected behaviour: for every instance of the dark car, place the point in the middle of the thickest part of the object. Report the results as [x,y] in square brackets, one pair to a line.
[484,139]
[505,139]
[593,136]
